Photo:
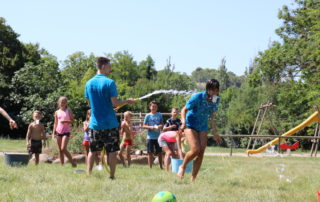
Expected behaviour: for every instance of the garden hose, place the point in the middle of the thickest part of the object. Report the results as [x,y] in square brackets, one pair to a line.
[118,107]
[103,160]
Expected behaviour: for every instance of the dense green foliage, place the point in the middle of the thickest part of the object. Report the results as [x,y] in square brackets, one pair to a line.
[287,74]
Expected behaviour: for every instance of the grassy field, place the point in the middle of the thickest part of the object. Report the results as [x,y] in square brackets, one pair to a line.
[220,179]
[7,145]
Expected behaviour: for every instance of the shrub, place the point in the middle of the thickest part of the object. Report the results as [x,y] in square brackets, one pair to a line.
[140,141]
[75,144]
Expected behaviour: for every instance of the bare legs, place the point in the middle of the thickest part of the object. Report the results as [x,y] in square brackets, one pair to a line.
[198,144]
[111,161]
[169,152]
[37,158]
[128,155]
[90,160]
[122,148]
[62,144]
[150,159]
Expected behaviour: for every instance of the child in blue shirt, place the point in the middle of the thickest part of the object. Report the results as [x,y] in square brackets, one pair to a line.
[194,117]
[154,123]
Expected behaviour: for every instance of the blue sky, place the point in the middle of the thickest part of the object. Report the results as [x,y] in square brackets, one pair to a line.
[193,33]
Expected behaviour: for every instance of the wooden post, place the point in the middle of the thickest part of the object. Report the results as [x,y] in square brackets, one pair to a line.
[317,142]
[254,128]
[264,113]
[231,139]
[317,133]
[314,140]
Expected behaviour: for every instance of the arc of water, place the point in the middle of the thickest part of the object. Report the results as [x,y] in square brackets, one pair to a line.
[174,92]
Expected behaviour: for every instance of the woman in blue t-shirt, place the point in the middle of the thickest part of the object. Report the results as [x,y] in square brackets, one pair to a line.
[194,117]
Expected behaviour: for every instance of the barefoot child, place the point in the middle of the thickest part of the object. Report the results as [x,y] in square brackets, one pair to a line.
[35,135]
[153,122]
[194,117]
[63,118]
[86,133]
[127,135]
[86,142]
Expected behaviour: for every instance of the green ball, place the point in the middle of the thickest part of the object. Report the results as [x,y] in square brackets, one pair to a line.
[164,196]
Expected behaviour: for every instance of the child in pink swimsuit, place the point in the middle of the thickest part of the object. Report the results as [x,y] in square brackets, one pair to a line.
[63,118]
[168,142]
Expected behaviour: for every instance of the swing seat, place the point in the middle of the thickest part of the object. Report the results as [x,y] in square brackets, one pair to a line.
[285,146]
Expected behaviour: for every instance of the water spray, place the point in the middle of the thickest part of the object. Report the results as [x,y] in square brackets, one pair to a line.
[173,92]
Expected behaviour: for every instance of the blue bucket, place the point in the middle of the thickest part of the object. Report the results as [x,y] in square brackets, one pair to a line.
[175,163]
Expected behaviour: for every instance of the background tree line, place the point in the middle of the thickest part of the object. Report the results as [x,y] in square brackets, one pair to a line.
[286,74]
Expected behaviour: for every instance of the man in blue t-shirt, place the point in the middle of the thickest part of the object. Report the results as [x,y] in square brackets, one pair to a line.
[154,123]
[194,117]
[103,97]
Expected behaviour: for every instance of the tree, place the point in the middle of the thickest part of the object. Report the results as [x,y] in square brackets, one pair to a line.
[125,68]
[76,65]
[11,59]
[36,87]
[146,68]
[223,76]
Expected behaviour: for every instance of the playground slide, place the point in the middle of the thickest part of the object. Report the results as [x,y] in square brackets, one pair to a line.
[315,117]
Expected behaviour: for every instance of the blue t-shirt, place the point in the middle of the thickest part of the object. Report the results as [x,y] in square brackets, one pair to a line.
[99,91]
[199,111]
[151,120]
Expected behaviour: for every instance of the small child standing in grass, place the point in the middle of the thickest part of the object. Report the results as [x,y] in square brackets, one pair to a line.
[127,136]
[35,135]
[154,123]
[86,138]
[86,133]
[63,118]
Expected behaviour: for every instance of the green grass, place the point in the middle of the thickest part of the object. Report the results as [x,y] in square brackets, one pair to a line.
[8,145]
[220,179]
